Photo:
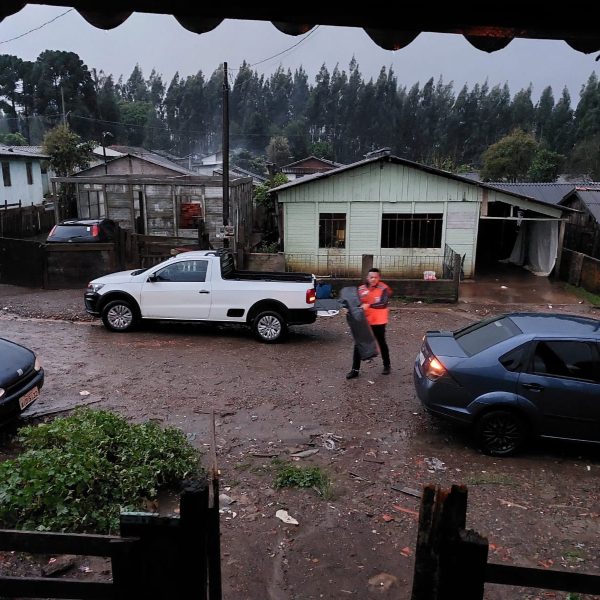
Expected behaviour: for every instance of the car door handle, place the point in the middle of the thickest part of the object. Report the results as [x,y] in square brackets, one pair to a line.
[534,387]
[204,292]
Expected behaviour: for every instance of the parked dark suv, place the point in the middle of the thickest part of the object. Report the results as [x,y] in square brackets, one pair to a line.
[515,376]
[21,379]
[83,231]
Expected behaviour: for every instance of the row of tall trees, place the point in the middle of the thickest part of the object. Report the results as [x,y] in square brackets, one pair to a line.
[340,115]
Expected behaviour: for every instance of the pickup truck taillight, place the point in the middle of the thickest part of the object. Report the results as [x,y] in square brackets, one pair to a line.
[311,296]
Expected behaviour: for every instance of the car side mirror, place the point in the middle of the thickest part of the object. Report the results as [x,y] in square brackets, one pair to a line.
[153,278]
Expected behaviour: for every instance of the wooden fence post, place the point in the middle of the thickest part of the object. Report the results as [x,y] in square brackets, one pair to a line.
[194,520]
[449,562]
[367,263]
[214,544]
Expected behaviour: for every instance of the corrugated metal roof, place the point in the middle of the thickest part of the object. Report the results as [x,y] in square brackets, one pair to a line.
[152,157]
[22,151]
[591,199]
[551,193]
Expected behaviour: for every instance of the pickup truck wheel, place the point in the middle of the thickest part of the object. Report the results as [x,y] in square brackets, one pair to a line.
[269,327]
[119,316]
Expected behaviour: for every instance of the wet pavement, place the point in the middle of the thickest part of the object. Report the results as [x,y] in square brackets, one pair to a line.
[509,285]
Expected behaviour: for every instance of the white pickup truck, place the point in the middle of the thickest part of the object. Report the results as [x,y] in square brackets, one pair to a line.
[204,286]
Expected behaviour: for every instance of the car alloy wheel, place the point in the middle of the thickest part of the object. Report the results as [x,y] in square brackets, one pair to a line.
[269,327]
[118,316]
[501,432]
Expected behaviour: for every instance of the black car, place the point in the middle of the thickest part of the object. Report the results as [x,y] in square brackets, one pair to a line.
[83,231]
[515,376]
[21,379]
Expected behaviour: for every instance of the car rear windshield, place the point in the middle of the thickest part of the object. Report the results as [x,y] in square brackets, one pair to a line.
[484,335]
[71,231]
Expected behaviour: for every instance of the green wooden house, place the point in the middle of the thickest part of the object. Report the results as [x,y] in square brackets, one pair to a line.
[406,215]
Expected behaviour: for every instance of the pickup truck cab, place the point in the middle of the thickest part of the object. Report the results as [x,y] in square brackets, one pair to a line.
[204,286]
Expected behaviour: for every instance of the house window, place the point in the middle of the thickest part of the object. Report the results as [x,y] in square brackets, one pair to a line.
[29,167]
[417,230]
[332,230]
[6,173]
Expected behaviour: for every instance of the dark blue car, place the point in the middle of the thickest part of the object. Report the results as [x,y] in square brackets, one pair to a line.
[514,377]
[21,379]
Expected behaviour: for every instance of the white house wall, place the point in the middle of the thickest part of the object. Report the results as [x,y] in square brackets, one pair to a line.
[365,194]
[19,189]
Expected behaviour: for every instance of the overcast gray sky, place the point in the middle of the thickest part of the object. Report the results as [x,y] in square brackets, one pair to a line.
[160,42]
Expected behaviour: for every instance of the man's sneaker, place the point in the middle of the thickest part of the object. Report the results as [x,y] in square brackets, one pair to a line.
[386,370]
[352,374]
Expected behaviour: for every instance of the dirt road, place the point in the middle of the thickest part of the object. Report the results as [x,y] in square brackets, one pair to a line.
[540,508]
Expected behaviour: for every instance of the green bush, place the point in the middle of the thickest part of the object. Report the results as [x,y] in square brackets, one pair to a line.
[77,473]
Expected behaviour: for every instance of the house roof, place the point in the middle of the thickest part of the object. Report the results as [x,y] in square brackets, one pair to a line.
[146,155]
[589,194]
[551,193]
[485,29]
[409,163]
[309,161]
[23,151]
[243,173]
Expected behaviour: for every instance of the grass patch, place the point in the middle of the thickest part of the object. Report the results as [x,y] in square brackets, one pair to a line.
[243,466]
[289,475]
[77,473]
[582,293]
[574,555]
[490,479]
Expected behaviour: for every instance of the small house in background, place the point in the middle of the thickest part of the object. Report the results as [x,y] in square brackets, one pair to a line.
[184,206]
[409,217]
[149,194]
[308,166]
[24,175]
[583,229]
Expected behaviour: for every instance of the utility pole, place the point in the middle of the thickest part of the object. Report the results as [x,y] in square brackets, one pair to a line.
[104,134]
[225,146]
[62,97]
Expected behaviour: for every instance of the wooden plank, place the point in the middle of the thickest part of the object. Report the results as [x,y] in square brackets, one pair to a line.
[36,542]
[45,587]
[565,581]
[193,548]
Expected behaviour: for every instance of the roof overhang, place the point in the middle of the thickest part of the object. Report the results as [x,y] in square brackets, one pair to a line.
[485,29]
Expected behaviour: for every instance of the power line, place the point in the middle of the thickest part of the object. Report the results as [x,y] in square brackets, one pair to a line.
[283,51]
[36,28]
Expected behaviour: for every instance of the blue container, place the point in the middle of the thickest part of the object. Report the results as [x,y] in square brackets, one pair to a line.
[323,290]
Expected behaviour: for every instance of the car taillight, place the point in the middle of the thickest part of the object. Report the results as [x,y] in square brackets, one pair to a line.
[433,368]
[95,230]
[311,296]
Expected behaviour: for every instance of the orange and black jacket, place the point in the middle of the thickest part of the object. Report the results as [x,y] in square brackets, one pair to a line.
[376,299]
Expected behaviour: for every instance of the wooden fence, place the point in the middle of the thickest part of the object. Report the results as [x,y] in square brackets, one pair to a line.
[580,270]
[153,557]
[17,221]
[452,562]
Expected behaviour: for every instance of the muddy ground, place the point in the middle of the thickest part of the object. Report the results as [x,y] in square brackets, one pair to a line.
[538,509]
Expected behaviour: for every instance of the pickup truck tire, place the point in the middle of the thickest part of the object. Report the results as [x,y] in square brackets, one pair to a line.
[269,327]
[119,316]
